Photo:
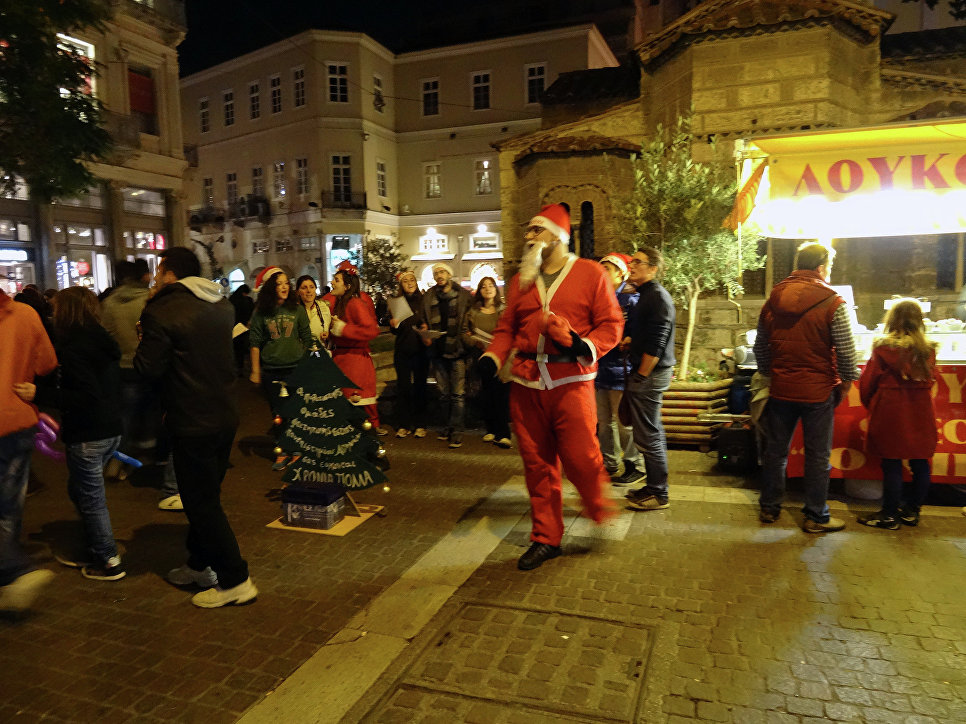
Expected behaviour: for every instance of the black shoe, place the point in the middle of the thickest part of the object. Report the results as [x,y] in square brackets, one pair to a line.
[443,434]
[536,555]
[767,516]
[456,440]
[880,520]
[110,570]
[637,494]
[908,516]
[631,476]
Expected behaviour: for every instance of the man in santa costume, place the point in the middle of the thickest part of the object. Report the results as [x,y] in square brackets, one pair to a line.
[562,316]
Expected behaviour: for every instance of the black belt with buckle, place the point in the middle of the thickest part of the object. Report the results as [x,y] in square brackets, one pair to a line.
[547,357]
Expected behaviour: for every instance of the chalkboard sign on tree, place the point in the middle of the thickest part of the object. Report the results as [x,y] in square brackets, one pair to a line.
[333,437]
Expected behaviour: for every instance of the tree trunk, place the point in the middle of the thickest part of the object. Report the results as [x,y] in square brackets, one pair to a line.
[692,318]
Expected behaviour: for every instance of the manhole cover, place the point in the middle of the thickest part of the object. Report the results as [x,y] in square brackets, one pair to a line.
[489,663]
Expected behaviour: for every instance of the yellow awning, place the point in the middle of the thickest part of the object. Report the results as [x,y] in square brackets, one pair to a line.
[884,181]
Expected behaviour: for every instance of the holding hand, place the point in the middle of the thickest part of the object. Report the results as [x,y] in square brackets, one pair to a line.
[26,391]
[256,376]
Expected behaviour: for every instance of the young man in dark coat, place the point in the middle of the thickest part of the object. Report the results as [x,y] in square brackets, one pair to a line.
[186,345]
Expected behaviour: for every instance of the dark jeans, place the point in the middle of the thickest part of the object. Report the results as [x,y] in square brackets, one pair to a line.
[85,486]
[451,380]
[15,450]
[411,372]
[646,395]
[140,414]
[778,422]
[495,400]
[909,496]
[200,464]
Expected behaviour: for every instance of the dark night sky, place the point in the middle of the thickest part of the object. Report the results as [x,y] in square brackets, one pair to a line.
[223,29]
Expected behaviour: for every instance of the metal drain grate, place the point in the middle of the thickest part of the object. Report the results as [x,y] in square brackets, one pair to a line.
[498,664]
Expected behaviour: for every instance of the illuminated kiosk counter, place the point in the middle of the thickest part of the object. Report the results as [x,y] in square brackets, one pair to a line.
[904,179]
[849,459]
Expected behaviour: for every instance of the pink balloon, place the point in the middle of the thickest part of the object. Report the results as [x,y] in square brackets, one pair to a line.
[50,422]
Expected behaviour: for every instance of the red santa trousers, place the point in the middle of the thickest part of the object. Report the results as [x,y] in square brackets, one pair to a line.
[554,426]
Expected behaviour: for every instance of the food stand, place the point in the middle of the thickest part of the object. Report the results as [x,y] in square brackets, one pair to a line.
[897,180]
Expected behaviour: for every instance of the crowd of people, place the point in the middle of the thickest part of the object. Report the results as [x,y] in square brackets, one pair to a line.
[577,356]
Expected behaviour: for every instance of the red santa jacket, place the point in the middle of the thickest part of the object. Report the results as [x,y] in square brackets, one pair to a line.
[350,348]
[583,296]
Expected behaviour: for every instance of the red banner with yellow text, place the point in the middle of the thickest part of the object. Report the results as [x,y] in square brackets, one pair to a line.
[849,459]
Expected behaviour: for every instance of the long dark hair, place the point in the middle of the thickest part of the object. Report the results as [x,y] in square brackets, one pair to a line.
[353,289]
[479,302]
[267,302]
[904,325]
[75,307]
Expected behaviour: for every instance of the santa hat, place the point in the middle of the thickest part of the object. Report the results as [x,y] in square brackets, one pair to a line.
[443,265]
[555,219]
[348,266]
[621,261]
[265,274]
[406,273]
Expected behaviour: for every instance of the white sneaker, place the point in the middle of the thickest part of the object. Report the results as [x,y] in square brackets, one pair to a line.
[420,432]
[244,592]
[489,437]
[172,502]
[186,576]
[402,432]
[505,443]
[20,594]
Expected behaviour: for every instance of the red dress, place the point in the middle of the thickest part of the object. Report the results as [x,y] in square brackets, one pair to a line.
[902,422]
[350,351]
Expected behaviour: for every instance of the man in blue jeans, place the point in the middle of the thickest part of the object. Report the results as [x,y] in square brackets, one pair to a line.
[25,352]
[651,341]
[805,345]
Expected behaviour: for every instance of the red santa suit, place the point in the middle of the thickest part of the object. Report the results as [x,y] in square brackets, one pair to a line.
[552,404]
[350,337]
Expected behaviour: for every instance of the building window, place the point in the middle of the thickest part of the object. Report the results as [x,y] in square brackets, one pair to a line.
[338,83]
[341,178]
[275,84]
[140,85]
[484,182]
[278,179]
[258,181]
[260,247]
[431,97]
[484,241]
[431,183]
[381,185]
[208,192]
[481,90]
[231,188]
[204,116]
[536,82]
[298,80]
[433,242]
[254,101]
[309,243]
[302,176]
[229,98]
[283,245]
[378,100]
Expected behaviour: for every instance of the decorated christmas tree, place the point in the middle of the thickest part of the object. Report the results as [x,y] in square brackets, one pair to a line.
[332,439]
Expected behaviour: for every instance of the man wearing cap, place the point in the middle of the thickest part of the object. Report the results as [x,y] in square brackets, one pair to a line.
[616,440]
[443,309]
[561,317]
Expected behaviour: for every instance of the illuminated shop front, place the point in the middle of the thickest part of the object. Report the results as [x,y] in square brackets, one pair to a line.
[81,257]
[17,256]
[859,189]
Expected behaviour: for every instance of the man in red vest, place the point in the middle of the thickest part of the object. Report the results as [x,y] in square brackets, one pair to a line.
[805,345]
[561,317]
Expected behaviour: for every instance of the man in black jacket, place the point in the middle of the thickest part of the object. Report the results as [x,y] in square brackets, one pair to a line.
[186,346]
[651,328]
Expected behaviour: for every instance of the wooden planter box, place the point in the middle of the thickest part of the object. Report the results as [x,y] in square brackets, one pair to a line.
[684,401]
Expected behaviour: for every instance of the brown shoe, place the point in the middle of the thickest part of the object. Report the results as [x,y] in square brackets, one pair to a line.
[832,525]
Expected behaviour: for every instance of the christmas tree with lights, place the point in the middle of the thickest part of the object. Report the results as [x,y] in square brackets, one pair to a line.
[332,440]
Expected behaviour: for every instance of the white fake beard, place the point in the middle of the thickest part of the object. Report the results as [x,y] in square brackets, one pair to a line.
[531,263]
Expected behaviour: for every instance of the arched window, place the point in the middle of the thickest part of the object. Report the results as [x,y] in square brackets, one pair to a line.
[587,230]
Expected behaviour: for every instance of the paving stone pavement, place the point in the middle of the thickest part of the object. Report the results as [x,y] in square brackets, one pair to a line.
[696,613]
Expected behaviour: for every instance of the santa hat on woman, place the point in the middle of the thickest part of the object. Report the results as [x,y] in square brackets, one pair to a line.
[348,266]
[621,261]
[265,274]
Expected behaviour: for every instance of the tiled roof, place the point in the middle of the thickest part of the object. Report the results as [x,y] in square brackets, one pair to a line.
[591,143]
[580,86]
[924,44]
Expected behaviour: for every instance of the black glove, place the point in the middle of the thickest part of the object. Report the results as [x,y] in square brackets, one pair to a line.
[486,367]
[579,348]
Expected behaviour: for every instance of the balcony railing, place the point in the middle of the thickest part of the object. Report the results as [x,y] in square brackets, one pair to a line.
[332,200]
[206,215]
[163,13]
